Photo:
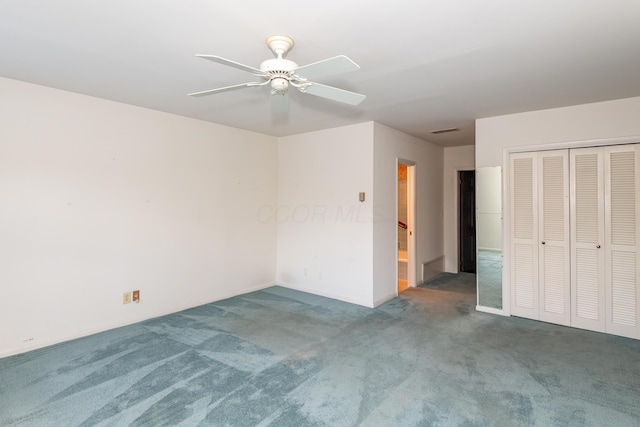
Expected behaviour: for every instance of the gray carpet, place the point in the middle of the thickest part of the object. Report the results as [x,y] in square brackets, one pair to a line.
[285,358]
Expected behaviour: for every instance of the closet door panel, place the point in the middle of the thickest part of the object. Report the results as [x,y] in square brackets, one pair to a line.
[623,294]
[587,239]
[554,243]
[621,230]
[575,233]
[587,298]
[524,232]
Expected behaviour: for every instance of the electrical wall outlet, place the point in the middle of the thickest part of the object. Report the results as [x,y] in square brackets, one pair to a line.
[136,296]
[126,297]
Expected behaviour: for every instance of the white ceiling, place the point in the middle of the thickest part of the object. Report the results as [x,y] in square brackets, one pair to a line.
[425,64]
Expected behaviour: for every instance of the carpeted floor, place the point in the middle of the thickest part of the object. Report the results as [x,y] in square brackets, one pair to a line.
[285,358]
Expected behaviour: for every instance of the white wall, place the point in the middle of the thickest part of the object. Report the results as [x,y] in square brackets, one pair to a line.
[610,119]
[455,159]
[98,198]
[389,146]
[323,229]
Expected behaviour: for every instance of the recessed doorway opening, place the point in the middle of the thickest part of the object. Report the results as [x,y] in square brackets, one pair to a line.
[467,221]
[406,230]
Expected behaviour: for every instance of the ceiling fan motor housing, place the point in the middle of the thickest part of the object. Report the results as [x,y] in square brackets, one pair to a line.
[278,66]
[279,71]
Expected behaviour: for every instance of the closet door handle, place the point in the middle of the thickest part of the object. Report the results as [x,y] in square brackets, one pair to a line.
[543,242]
[597,246]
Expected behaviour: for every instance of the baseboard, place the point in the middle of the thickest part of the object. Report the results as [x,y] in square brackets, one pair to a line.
[491,310]
[88,332]
[383,300]
[432,268]
[325,294]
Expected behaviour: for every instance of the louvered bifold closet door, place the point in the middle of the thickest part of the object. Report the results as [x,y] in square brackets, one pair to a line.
[587,239]
[524,235]
[553,237]
[621,244]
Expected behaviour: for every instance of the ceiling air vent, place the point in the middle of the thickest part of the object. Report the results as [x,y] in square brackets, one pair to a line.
[439,131]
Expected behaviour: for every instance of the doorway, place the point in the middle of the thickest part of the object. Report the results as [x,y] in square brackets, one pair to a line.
[405,229]
[467,221]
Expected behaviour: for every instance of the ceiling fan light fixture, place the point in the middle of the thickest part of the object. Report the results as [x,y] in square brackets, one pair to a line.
[279,85]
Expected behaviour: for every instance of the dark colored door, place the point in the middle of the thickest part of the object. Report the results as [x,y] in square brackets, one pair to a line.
[467,218]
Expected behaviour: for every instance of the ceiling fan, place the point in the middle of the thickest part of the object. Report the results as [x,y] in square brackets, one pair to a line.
[281,73]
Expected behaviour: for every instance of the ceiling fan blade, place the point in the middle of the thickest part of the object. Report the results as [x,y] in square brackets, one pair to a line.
[230,63]
[224,89]
[280,104]
[333,93]
[328,67]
